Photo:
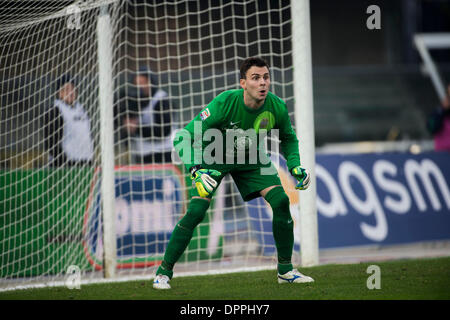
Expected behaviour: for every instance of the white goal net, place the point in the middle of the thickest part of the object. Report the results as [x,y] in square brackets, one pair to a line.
[169,59]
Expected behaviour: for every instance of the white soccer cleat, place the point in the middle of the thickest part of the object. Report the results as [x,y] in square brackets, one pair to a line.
[294,276]
[161,282]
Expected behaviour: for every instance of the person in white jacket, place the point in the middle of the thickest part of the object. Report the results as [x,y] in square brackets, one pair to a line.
[68,137]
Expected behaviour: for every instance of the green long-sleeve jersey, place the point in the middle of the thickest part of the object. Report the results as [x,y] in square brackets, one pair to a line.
[239,128]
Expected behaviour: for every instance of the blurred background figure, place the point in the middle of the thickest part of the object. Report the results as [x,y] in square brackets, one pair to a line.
[146,119]
[439,124]
[68,139]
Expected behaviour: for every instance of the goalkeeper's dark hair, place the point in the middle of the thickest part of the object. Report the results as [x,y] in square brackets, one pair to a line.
[250,62]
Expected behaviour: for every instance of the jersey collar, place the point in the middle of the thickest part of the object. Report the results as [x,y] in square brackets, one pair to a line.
[248,109]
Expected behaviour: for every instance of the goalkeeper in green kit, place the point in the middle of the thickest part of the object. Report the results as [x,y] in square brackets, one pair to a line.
[237,122]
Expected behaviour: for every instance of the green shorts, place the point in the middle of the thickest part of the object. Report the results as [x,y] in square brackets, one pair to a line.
[249,180]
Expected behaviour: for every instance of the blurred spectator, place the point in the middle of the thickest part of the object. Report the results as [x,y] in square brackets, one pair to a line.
[147,120]
[67,128]
[439,124]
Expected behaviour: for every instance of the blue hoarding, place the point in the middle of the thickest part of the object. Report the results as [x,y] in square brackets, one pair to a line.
[388,198]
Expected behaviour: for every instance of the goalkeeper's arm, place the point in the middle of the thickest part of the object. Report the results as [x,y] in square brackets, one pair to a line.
[289,148]
[203,178]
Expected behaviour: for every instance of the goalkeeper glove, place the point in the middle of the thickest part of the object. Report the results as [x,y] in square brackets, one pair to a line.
[302,176]
[203,180]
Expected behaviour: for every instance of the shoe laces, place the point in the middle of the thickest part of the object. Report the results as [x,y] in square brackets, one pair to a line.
[162,278]
[297,273]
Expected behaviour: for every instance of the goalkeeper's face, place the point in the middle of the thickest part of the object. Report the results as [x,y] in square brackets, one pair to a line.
[256,83]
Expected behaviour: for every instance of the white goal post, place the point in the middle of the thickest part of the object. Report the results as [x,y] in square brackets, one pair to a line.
[304,121]
[110,217]
[106,100]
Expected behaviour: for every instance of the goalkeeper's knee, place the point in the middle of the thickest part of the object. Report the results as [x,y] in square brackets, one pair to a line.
[195,213]
[279,202]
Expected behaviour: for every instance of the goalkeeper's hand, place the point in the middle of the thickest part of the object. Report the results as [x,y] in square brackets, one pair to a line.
[302,176]
[203,180]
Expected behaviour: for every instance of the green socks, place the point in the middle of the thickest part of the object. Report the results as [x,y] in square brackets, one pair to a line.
[182,234]
[283,227]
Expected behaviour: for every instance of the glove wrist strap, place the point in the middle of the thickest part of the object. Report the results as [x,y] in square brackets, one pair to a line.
[293,169]
[193,169]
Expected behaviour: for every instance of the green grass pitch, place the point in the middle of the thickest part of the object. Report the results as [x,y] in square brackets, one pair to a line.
[421,279]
